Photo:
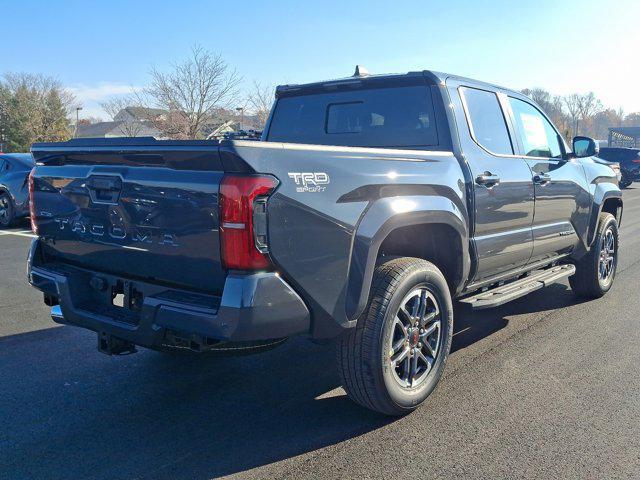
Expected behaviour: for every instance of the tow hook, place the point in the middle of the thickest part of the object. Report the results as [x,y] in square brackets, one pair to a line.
[110,345]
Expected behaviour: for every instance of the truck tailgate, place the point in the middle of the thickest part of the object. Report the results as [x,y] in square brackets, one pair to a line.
[151,215]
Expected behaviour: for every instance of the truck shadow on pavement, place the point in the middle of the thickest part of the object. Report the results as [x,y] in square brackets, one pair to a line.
[470,327]
[69,412]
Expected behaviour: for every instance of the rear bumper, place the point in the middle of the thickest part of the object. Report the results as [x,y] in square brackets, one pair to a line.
[253,307]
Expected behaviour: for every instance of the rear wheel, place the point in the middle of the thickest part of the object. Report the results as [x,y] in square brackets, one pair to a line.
[596,271]
[393,359]
[624,182]
[6,210]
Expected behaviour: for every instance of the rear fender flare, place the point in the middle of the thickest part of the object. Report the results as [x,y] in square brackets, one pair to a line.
[384,216]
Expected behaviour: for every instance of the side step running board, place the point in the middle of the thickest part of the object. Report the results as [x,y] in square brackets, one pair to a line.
[505,293]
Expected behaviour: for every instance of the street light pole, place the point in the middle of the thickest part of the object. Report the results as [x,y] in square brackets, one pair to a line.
[75,133]
[2,129]
[241,110]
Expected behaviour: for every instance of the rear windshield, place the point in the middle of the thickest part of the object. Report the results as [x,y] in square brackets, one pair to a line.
[378,117]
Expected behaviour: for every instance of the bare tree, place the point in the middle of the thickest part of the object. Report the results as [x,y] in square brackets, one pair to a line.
[260,100]
[538,95]
[588,105]
[632,119]
[129,127]
[553,106]
[572,102]
[581,113]
[601,121]
[582,107]
[191,93]
[560,117]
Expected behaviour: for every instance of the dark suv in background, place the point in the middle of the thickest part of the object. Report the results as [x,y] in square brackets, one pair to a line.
[629,160]
[14,191]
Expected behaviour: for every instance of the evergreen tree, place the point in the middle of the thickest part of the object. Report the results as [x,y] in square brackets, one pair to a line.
[34,108]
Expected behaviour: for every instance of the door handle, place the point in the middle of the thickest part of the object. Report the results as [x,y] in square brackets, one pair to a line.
[488,179]
[542,178]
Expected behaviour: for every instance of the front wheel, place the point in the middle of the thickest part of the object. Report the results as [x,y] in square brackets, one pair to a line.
[394,357]
[596,271]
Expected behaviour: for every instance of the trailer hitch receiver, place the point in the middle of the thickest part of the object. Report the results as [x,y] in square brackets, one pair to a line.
[110,345]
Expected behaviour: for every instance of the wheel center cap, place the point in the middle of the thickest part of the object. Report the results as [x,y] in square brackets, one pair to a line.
[414,336]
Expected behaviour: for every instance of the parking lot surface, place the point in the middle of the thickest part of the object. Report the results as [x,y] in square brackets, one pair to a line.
[546,386]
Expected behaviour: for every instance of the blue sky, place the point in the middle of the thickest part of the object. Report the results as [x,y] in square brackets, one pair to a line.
[104,48]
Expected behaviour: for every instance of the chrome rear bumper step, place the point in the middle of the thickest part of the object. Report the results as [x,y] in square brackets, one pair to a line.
[510,291]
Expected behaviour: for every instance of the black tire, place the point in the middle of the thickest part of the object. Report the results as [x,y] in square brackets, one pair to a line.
[588,282]
[625,183]
[7,213]
[364,355]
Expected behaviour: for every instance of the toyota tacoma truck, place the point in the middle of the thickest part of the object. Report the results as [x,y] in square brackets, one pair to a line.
[370,204]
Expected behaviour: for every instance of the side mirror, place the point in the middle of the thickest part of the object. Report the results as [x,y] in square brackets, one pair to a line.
[585,147]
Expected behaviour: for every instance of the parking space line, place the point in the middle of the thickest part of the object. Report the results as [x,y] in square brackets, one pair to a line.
[24,233]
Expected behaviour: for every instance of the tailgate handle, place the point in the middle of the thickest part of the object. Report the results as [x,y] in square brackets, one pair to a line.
[109,184]
[104,189]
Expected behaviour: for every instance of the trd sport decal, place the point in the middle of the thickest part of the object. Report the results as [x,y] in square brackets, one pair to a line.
[310,181]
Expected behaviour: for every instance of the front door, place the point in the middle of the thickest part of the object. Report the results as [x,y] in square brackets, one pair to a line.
[562,200]
[503,185]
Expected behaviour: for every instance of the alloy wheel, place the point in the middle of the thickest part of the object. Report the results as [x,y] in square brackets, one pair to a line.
[607,260]
[416,338]
[4,210]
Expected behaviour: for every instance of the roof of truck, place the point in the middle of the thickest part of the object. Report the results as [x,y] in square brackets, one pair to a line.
[436,77]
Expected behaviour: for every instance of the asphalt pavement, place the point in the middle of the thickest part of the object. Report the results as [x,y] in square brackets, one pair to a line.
[547,386]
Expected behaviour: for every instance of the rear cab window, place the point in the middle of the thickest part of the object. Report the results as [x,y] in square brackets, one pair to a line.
[393,117]
[487,123]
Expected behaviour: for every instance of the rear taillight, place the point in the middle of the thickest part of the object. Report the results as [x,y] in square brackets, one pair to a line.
[32,207]
[240,198]
[636,161]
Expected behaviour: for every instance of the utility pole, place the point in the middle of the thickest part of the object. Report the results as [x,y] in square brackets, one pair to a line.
[2,129]
[75,132]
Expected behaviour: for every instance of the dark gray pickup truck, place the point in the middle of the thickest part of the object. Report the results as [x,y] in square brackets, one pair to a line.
[369,205]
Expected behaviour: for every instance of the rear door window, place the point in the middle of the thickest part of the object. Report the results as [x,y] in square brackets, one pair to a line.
[486,121]
[375,117]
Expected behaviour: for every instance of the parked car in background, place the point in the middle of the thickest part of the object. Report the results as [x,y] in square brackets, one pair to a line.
[629,160]
[243,135]
[14,188]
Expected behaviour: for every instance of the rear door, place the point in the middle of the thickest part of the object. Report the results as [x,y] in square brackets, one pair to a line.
[503,186]
[562,199]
